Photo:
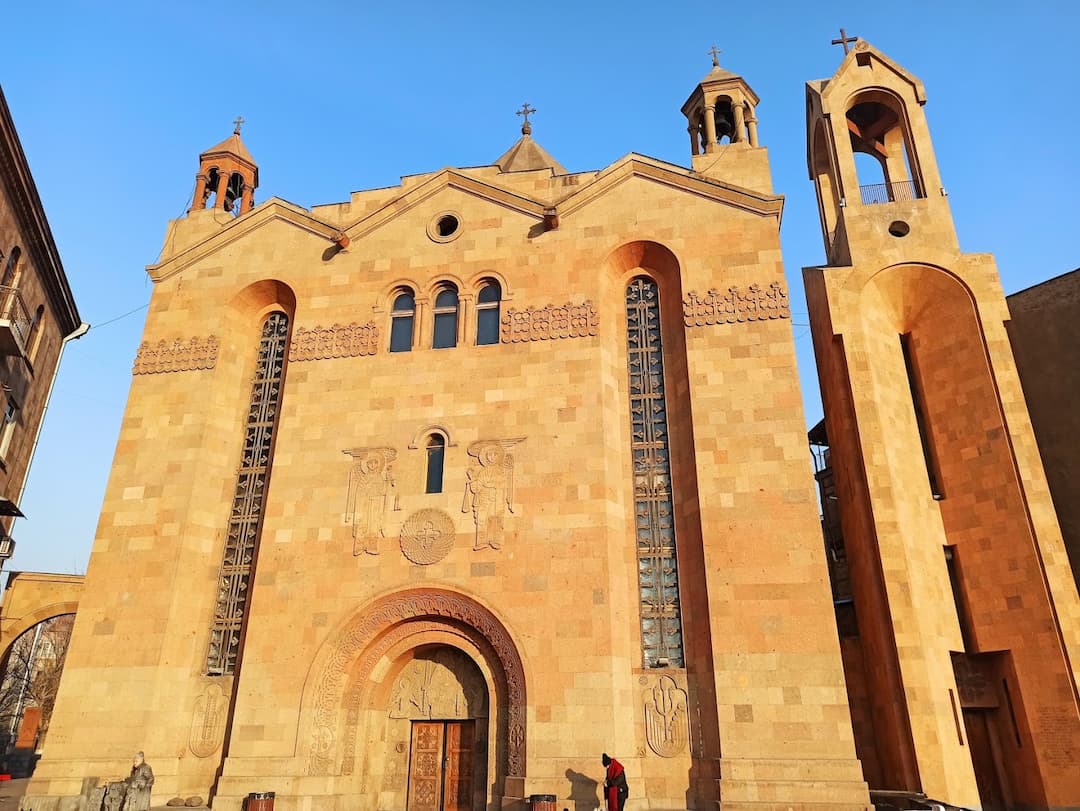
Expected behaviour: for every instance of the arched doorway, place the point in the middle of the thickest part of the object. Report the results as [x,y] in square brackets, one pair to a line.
[417,676]
[427,733]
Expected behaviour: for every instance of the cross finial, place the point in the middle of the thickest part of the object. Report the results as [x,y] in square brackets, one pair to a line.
[237,124]
[844,40]
[715,56]
[525,112]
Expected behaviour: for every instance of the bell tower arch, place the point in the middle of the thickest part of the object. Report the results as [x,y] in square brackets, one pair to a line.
[227,176]
[721,117]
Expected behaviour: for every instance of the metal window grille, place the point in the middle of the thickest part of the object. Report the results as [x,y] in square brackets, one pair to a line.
[245,518]
[658,581]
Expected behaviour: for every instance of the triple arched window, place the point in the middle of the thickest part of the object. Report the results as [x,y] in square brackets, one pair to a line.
[446,316]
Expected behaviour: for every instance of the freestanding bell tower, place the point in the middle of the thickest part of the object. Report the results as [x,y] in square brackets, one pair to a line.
[962,673]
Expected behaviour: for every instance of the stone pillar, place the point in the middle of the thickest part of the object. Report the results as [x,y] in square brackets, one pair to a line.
[466,318]
[739,135]
[751,125]
[695,146]
[199,200]
[710,128]
[247,198]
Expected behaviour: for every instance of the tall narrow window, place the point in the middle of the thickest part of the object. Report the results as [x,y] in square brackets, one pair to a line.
[7,427]
[10,267]
[436,455]
[658,580]
[920,419]
[246,516]
[33,337]
[401,322]
[446,315]
[487,314]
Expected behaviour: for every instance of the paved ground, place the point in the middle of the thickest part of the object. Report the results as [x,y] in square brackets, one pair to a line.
[12,790]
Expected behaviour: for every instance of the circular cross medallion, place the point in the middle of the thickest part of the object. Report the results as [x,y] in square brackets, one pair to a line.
[427,536]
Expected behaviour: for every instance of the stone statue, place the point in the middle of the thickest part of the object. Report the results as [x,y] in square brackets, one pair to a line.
[138,783]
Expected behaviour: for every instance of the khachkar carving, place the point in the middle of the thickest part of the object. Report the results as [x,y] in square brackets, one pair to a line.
[427,536]
[370,481]
[667,726]
[177,356]
[208,721]
[489,489]
[548,323]
[338,341]
[372,623]
[735,305]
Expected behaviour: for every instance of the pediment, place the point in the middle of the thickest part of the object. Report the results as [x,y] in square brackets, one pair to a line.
[677,177]
[862,51]
[274,210]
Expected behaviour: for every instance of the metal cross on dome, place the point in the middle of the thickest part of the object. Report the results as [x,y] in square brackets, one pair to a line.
[715,56]
[526,111]
[237,124]
[844,40]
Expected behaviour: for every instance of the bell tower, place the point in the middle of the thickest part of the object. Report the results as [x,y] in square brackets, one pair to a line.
[227,173]
[961,669]
[723,125]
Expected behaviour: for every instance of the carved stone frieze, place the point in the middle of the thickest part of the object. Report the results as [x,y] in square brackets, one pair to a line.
[736,305]
[338,341]
[427,536]
[549,323]
[400,610]
[667,725]
[208,721]
[176,356]
[489,489]
[371,479]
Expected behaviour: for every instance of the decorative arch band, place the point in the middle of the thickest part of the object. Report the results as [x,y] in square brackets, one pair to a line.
[372,623]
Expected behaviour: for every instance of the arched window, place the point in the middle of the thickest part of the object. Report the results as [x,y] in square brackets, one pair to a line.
[401,321]
[658,578]
[487,313]
[436,454]
[12,264]
[446,317]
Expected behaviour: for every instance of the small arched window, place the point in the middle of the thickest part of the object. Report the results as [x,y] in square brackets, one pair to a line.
[487,313]
[10,267]
[402,318]
[446,318]
[436,454]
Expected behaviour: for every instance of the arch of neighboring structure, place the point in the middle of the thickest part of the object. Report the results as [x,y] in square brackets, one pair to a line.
[28,622]
[350,669]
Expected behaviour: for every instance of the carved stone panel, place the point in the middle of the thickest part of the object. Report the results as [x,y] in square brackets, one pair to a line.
[489,489]
[667,726]
[208,721]
[736,305]
[549,323]
[371,479]
[176,356]
[427,536]
[338,341]
[444,684]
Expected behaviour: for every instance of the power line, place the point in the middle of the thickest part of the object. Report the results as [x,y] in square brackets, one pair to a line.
[125,315]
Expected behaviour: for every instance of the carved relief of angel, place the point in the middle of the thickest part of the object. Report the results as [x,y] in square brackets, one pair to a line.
[489,489]
[370,481]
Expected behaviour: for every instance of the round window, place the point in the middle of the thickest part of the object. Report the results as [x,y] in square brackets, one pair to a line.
[445,226]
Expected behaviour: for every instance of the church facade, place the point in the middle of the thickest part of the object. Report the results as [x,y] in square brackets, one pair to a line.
[425,499]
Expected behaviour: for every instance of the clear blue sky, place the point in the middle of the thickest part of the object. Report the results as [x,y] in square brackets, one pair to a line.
[115,100]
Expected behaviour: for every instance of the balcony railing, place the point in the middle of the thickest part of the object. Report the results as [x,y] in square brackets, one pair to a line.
[14,322]
[888,192]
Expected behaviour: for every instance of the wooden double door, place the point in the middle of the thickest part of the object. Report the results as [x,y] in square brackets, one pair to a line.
[441,766]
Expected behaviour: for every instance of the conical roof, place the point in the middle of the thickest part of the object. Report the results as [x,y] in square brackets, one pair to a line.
[719,74]
[231,146]
[527,155]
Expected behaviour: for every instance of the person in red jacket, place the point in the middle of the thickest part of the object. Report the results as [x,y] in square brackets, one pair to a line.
[615,787]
